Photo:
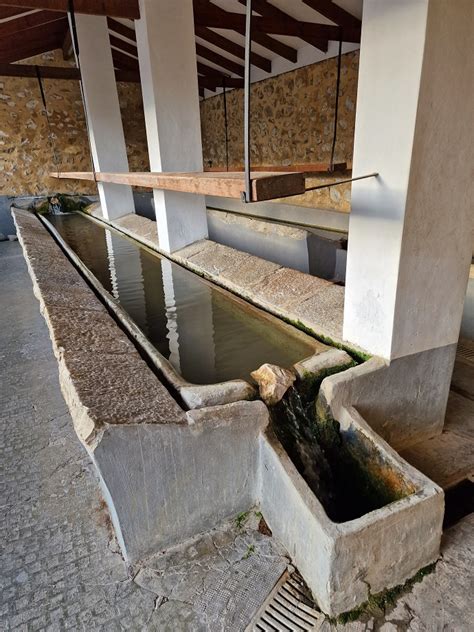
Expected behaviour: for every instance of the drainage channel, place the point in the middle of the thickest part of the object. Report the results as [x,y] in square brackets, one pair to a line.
[287,607]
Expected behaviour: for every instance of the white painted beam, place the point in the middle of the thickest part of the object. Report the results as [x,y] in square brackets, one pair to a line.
[410,231]
[104,119]
[167,56]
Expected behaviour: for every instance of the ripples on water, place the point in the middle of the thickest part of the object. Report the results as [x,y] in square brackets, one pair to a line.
[207,336]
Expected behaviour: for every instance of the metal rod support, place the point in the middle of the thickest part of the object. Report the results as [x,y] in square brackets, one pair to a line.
[247,194]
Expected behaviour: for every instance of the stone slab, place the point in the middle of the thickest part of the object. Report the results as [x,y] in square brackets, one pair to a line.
[248,272]
[286,288]
[323,312]
[217,258]
[460,415]
[447,459]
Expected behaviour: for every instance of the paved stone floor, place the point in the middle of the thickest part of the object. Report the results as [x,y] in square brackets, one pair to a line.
[59,564]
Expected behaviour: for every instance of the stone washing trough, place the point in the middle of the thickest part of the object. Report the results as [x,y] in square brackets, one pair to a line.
[170,474]
[202,395]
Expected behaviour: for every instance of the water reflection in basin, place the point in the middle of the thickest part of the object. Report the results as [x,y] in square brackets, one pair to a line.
[207,335]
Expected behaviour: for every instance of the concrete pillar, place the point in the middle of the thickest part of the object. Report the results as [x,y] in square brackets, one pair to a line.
[103,112]
[410,233]
[167,55]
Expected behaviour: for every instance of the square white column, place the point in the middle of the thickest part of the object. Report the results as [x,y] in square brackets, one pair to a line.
[167,56]
[104,119]
[410,231]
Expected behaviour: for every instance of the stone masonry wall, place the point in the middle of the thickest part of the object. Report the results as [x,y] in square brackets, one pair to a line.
[292,122]
[26,151]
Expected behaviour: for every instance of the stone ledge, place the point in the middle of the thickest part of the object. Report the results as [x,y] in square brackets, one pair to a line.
[103,378]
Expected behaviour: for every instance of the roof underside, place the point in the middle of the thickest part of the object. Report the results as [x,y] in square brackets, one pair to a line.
[286,34]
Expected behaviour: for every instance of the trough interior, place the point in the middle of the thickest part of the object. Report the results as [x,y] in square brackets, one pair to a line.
[206,334]
[349,475]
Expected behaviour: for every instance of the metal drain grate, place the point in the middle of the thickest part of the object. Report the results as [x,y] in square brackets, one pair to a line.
[465,351]
[287,608]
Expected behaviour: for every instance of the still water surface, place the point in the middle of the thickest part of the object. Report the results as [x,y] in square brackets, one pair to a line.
[206,335]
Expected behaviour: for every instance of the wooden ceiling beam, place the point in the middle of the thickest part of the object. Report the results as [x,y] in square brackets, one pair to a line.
[57,73]
[28,21]
[124,62]
[124,46]
[29,50]
[270,43]
[277,26]
[121,29]
[231,47]
[14,48]
[268,10]
[8,12]
[114,8]
[335,13]
[209,71]
[212,82]
[219,60]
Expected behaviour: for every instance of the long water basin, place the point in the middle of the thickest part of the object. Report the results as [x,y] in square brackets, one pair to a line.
[206,334]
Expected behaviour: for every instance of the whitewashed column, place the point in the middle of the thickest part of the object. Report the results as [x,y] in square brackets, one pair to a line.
[167,56]
[410,233]
[103,112]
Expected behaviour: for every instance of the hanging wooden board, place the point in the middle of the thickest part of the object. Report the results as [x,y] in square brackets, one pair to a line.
[265,185]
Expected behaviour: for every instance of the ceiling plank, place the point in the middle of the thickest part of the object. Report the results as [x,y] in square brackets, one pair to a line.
[270,43]
[231,47]
[269,10]
[335,13]
[115,8]
[28,21]
[57,73]
[219,60]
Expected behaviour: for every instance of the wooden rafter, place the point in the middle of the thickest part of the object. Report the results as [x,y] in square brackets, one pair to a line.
[124,62]
[124,46]
[270,43]
[58,73]
[117,27]
[219,60]
[28,21]
[115,8]
[211,83]
[335,13]
[8,12]
[231,47]
[40,39]
[267,10]
[277,26]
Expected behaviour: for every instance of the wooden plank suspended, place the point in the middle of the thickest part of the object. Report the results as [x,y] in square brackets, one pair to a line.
[265,185]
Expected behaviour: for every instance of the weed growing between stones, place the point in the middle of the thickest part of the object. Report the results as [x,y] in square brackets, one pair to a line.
[380,603]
